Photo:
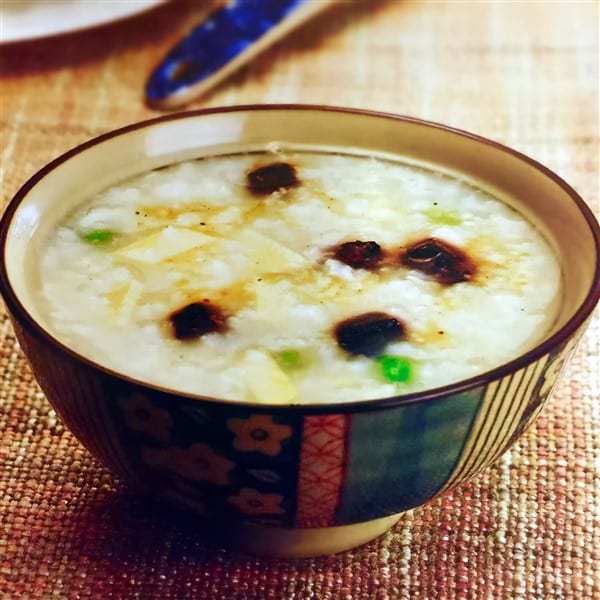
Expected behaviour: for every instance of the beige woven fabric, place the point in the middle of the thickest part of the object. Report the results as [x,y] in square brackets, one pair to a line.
[523,73]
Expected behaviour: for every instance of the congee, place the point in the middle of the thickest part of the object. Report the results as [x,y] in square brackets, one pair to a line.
[298,278]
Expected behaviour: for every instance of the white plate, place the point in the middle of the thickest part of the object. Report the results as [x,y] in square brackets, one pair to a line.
[31,19]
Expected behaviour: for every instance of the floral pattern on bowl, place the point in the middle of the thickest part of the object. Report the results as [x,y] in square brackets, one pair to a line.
[242,464]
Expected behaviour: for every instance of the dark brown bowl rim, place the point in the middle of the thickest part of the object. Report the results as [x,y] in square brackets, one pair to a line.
[459,387]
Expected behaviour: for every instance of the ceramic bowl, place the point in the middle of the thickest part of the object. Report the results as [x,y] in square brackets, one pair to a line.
[297,480]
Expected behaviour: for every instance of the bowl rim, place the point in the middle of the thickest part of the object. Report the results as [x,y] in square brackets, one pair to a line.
[578,318]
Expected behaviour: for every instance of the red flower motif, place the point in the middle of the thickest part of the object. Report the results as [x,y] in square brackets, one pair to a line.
[253,502]
[199,462]
[140,414]
[258,433]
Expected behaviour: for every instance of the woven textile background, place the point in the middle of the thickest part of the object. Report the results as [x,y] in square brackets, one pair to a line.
[525,73]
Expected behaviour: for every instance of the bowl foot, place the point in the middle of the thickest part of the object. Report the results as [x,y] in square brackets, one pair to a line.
[280,542]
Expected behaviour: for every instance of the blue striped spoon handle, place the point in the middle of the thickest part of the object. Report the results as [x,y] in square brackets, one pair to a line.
[226,40]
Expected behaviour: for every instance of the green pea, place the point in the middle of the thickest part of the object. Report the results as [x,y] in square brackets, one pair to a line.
[444,217]
[98,236]
[288,359]
[395,368]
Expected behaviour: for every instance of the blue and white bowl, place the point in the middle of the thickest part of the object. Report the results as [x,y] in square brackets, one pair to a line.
[297,480]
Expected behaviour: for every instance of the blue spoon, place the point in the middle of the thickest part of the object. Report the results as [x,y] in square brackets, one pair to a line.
[226,40]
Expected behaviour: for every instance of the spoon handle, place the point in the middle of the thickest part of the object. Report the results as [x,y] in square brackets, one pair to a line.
[229,38]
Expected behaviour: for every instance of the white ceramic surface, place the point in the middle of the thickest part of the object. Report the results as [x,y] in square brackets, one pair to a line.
[22,20]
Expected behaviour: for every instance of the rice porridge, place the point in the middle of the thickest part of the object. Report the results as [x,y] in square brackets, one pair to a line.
[298,278]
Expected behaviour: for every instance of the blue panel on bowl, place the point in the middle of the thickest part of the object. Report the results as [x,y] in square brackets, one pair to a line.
[220,460]
[399,458]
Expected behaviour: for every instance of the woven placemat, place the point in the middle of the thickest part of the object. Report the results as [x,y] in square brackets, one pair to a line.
[523,73]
